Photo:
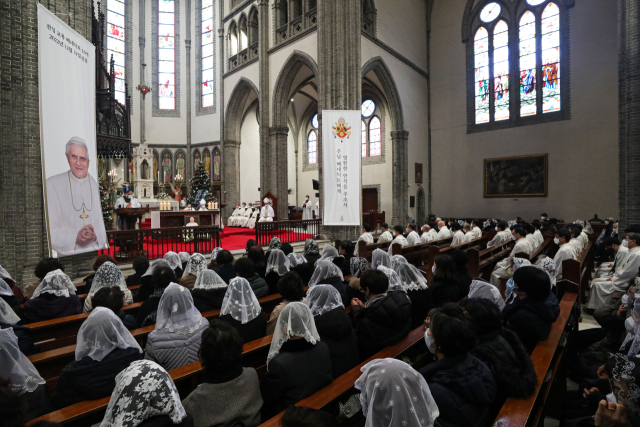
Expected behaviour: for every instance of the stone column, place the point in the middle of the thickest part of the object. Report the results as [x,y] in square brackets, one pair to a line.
[400,169]
[141,44]
[266,164]
[231,160]
[279,171]
[339,80]
[629,111]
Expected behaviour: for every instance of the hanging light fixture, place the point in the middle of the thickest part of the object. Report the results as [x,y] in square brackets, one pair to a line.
[143,87]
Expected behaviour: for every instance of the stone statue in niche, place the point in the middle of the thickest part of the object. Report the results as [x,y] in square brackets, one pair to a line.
[155,168]
[166,168]
[216,165]
[196,162]
[180,165]
[207,162]
[145,170]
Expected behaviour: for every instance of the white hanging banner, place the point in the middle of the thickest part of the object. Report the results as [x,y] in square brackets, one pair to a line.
[341,156]
[66,75]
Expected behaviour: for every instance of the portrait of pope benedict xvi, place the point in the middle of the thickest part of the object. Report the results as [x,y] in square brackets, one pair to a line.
[73,201]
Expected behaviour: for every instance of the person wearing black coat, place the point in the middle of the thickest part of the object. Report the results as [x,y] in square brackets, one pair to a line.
[113,298]
[384,320]
[299,362]
[460,259]
[208,299]
[347,249]
[256,254]
[246,269]
[462,385]
[140,265]
[444,287]
[501,350]
[532,313]
[225,261]
[242,310]
[49,306]
[161,278]
[334,327]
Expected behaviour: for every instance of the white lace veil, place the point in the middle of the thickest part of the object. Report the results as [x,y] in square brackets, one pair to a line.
[484,290]
[323,298]
[296,259]
[15,366]
[410,277]
[176,311]
[195,265]
[240,301]
[102,333]
[173,259]
[278,262]
[632,325]
[5,289]
[160,262]
[329,252]
[184,256]
[295,320]
[4,274]
[209,279]
[395,284]
[393,394]
[108,275]
[214,253]
[358,265]
[7,315]
[143,390]
[380,257]
[56,283]
[396,260]
[274,243]
[325,269]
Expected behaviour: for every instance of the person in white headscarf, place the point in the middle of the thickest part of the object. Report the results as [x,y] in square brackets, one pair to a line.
[277,266]
[17,292]
[9,297]
[145,391]
[184,258]
[398,238]
[266,213]
[334,327]
[147,286]
[208,291]
[296,259]
[327,273]
[195,265]
[174,261]
[480,289]
[108,275]
[104,348]
[22,376]
[413,282]
[54,297]
[380,257]
[393,394]
[179,325]
[298,363]
[394,280]
[241,309]
[9,320]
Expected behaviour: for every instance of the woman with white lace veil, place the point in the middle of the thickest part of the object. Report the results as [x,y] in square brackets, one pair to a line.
[329,252]
[107,276]
[212,262]
[104,347]
[179,325]
[396,260]
[298,363]
[327,273]
[412,281]
[480,289]
[146,281]
[17,292]
[241,309]
[145,396]
[395,284]
[392,393]
[208,291]
[195,265]
[380,257]
[174,261]
[23,377]
[334,327]
[184,258]
[8,296]
[296,259]
[54,297]
[277,266]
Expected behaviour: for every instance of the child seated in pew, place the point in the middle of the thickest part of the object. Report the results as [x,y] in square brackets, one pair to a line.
[106,276]
[55,297]
[241,309]
[291,289]
[228,393]
[112,298]
[179,325]
[299,362]
[104,348]
[44,267]
[19,376]
[208,291]
[145,396]
[161,278]
[140,266]
[9,320]
[462,385]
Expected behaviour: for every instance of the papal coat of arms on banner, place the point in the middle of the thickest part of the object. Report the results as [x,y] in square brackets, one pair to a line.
[341,129]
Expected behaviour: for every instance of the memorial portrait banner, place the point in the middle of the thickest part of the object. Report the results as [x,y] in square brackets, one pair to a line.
[66,75]
[341,158]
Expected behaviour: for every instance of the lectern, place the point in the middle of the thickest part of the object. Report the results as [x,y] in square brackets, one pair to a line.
[129,217]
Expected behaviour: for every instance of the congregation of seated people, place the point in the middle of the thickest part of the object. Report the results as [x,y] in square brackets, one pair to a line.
[337,311]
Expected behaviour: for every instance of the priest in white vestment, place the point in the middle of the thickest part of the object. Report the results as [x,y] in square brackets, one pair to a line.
[233,215]
[603,291]
[565,250]
[307,209]
[469,235]
[398,238]
[458,235]
[266,213]
[607,269]
[476,229]
[240,214]
[427,234]
[126,201]
[503,234]
[537,234]
[503,268]
[386,235]
[242,221]
[254,217]
[444,231]
[413,238]
[192,222]
[366,237]
[73,203]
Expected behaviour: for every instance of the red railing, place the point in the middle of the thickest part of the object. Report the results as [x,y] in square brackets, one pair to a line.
[153,243]
[287,231]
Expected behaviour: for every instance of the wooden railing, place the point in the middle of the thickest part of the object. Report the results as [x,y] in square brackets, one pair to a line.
[124,245]
[287,231]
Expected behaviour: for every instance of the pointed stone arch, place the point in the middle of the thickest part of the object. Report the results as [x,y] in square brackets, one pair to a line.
[284,83]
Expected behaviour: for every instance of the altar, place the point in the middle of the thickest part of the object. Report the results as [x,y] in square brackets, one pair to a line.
[164,219]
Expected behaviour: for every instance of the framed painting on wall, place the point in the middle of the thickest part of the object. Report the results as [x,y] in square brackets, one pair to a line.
[522,176]
[418,173]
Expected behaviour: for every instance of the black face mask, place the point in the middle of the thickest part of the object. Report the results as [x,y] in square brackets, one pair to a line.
[127,199]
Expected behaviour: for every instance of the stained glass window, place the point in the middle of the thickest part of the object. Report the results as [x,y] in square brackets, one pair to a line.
[501,70]
[375,137]
[314,122]
[481,62]
[490,12]
[312,147]
[207,53]
[364,139]
[528,69]
[166,55]
[550,58]
[116,43]
[368,107]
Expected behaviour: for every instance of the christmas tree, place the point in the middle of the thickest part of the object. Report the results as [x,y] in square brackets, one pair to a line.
[104,203]
[200,183]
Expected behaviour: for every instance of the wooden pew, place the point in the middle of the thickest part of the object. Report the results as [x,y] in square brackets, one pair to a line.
[365,251]
[434,251]
[484,260]
[419,254]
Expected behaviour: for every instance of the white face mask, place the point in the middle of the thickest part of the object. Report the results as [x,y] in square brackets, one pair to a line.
[496,228]
[542,218]
[433,269]
[430,342]
[513,237]
[625,243]
[606,223]
[556,241]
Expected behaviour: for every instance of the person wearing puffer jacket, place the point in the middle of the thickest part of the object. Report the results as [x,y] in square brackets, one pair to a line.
[384,320]
[246,269]
[462,385]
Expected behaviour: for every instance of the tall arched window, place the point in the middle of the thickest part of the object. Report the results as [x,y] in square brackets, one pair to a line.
[524,36]
[233,40]
[371,130]
[116,27]
[207,54]
[312,142]
[166,55]
[242,33]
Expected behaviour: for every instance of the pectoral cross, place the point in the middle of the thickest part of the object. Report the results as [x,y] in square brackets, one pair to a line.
[84,217]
